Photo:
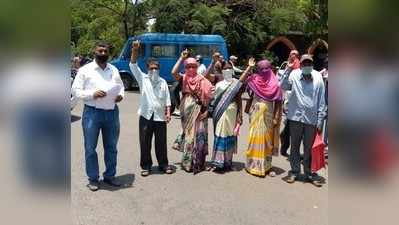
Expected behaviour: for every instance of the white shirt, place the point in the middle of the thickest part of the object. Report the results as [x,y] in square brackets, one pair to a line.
[90,78]
[236,69]
[201,69]
[154,95]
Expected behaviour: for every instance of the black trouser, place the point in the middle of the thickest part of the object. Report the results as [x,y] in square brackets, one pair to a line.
[285,138]
[148,128]
[175,93]
[300,131]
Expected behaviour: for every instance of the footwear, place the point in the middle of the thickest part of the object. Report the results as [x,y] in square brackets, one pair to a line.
[93,185]
[176,112]
[176,146]
[112,182]
[187,169]
[166,169]
[272,174]
[218,170]
[228,168]
[285,154]
[290,179]
[315,182]
[145,173]
[198,169]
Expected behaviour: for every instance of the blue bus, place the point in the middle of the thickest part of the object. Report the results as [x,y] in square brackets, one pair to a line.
[167,48]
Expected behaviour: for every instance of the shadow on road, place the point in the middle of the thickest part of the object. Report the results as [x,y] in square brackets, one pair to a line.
[302,178]
[278,170]
[126,181]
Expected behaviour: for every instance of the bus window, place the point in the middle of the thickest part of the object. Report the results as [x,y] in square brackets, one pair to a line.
[129,50]
[202,50]
[168,51]
[213,49]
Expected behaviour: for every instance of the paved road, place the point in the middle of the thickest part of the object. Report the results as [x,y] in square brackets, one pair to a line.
[184,199]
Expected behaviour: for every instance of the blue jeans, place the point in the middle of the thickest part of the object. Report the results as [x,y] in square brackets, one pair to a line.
[94,120]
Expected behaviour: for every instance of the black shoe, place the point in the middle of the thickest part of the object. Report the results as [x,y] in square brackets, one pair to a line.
[93,185]
[112,182]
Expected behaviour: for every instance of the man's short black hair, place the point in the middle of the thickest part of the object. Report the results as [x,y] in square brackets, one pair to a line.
[226,62]
[153,61]
[103,44]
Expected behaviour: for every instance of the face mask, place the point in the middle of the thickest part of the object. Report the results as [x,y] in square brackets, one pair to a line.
[264,71]
[307,69]
[102,58]
[154,75]
[227,74]
[191,71]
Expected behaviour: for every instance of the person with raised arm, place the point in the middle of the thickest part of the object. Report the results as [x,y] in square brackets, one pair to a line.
[154,111]
[264,112]
[226,109]
[197,93]
[306,112]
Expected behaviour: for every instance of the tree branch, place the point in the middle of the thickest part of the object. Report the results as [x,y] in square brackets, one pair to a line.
[96,4]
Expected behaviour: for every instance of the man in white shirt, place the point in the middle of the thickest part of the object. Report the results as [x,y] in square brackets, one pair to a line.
[154,111]
[233,61]
[201,67]
[99,85]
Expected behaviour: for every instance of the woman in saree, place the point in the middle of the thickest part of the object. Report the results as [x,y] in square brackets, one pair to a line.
[197,93]
[226,109]
[264,109]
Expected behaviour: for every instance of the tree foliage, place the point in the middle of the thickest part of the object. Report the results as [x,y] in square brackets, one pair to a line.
[245,24]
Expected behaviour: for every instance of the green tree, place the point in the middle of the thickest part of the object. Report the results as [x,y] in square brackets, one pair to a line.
[208,19]
[111,21]
[171,15]
[245,24]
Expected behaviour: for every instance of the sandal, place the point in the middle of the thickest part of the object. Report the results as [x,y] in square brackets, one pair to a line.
[167,169]
[176,146]
[145,173]
[187,169]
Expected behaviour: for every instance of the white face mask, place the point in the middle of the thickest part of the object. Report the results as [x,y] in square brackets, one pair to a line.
[227,74]
[154,75]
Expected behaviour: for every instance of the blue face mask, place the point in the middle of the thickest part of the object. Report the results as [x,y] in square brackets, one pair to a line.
[307,69]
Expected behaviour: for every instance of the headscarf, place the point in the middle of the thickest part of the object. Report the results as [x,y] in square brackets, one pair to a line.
[197,84]
[264,83]
[295,64]
[190,60]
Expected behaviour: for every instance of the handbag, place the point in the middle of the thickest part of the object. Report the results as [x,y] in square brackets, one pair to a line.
[318,160]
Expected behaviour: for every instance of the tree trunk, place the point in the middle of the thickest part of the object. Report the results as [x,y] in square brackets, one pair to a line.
[125,25]
[126,28]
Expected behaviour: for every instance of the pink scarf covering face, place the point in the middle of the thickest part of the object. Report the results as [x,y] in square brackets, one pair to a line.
[264,83]
[197,85]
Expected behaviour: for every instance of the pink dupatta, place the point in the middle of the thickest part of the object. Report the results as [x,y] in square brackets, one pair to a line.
[197,85]
[264,83]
